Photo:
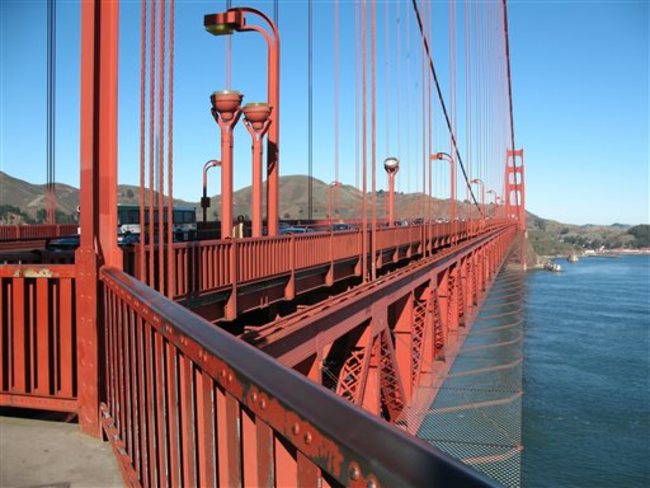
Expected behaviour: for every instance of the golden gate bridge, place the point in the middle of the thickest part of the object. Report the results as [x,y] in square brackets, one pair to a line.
[251,356]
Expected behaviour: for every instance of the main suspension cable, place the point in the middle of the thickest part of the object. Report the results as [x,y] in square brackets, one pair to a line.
[511,110]
[442,104]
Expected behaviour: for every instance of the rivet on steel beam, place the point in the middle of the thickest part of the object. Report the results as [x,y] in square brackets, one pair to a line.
[262,404]
[295,429]
[254,396]
[223,373]
[230,378]
[308,438]
[372,484]
[354,471]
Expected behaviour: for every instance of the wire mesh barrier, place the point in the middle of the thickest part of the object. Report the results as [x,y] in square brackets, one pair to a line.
[476,414]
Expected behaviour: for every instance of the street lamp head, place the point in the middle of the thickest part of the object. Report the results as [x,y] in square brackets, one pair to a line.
[257,113]
[391,165]
[225,103]
[224,23]
[212,163]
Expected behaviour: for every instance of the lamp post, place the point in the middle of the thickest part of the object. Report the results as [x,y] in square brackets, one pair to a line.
[494,197]
[225,23]
[226,111]
[391,165]
[205,201]
[478,181]
[256,120]
[497,202]
[452,172]
[330,187]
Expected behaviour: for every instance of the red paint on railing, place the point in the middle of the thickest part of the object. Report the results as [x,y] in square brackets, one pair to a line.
[38,336]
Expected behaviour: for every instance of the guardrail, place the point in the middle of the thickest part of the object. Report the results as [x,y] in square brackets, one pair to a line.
[38,367]
[214,265]
[41,231]
[188,404]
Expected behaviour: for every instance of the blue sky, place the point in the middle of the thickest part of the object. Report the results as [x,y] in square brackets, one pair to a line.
[580,86]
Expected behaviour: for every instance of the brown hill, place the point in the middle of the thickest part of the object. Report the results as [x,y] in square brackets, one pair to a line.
[30,199]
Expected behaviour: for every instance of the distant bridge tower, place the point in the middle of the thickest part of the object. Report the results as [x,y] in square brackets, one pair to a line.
[515,188]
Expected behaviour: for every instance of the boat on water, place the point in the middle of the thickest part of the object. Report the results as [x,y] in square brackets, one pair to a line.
[554,267]
[573,258]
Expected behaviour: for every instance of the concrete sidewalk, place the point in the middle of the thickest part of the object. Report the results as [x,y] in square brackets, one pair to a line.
[44,453]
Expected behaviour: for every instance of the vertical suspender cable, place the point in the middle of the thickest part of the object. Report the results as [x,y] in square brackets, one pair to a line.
[468,93]
[336,105]
[373,159]
[161,147]
[386,97]
[51,113]
[364,145]
[357,98]
[152,91]
[310,118]
[424,155]
[441,100]
[409,163]
[228,53]
[427,161]
[452,84]
[143,76]
[398,42]
[171,270]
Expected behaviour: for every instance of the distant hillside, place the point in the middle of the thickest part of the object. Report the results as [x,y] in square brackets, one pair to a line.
[294,201]
[550,237]
[23,202]
[30,200]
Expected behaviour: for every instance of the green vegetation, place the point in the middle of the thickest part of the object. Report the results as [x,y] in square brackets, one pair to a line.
[10,214]
[550,237]
[641,234]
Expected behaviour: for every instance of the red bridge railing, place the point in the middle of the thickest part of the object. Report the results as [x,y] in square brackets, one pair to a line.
[208,266]
[188,404]
[44,231]
[38,364]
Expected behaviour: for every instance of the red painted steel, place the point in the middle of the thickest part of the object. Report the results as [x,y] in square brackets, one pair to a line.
[257,121]
[385,345]
[38,334]
[235,416]
[98,194]
[226,112]
[44,231]
[235,19]
[515,188]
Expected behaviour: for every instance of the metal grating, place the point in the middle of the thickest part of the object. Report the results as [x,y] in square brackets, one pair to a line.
[476,414]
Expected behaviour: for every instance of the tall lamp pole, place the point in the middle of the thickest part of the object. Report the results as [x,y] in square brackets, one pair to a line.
[256,119]
[205,201]
[494,196]
[443,156]
[330,188]
[478,181]
[226,111]
[225,23]
[391,165]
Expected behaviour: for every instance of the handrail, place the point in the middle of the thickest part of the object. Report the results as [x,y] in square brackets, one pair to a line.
[350,445]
